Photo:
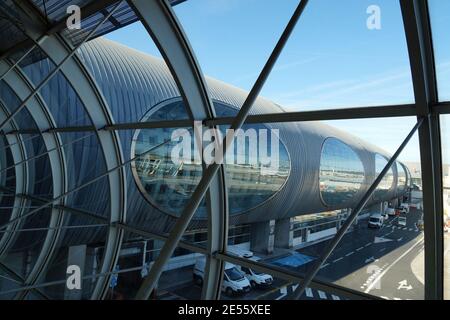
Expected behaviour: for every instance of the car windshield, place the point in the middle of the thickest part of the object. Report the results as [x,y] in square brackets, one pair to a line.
[233,274]
[256,272]
[373,219]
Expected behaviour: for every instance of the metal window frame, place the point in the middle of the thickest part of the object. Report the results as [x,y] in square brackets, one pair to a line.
[427,108]
[421,55]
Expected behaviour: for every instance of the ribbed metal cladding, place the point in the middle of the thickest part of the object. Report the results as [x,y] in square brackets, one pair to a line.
[133,83]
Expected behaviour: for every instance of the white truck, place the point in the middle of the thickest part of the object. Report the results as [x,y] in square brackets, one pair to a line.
[234,282]
[376,221]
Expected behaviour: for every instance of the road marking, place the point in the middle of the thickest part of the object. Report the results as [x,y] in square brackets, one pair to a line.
[371,259]
[324,266]
[385,298]
[309,293]
[360,248]
[349,254]
[410,229]
[335,297]
[322,294]
[294,287]
[381,240]
[382,249]
[404,285]
[400,239]
[337,260]
[283,292]
[391,265]
[368,244]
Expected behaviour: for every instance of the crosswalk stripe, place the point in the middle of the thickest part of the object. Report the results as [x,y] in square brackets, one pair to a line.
[309,293]
[322,294]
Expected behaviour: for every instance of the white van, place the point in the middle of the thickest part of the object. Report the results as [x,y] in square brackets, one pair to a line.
[376,221]
[405,207]
[234,282]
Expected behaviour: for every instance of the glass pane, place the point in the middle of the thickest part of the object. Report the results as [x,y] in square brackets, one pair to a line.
[439,17]
[341,172]
[445,132]
[136,257]
[80,243]
[339,56]
[262,286]
[333,164]
[236,33]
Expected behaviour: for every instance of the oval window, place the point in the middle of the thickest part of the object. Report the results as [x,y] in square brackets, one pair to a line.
[341,173]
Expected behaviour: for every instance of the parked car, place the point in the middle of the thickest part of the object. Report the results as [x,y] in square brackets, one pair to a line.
[240,252]
[376,221]
[257,279]
[405,207]
[390,212]
[234,281]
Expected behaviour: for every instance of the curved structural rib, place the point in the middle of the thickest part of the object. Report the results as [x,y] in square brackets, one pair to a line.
[57,49]
[162,25]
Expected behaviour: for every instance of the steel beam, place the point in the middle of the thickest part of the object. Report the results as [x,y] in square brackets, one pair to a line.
[294,277]
[107,173]
[63,54]
[18,152]
[163,26]
[351,218]
[40,113]
[208,176]
[282,117]
[421,55]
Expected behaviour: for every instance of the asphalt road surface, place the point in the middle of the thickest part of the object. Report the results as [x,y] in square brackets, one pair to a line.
[386,262]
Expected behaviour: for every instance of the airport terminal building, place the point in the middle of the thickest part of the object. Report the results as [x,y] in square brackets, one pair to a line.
[88,179]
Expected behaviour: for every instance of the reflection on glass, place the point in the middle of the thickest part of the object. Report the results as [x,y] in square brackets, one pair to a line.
[402,178]
[388,179]
[169,186]
[341,173]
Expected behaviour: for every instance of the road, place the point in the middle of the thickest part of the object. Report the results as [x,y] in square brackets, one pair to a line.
[386,262]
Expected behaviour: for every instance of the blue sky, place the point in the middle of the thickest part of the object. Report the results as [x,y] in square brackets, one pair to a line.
[331,61]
